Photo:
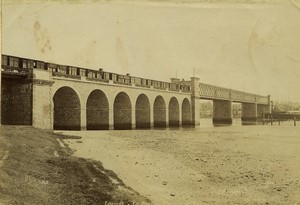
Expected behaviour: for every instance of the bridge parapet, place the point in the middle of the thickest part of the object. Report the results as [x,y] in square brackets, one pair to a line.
[126,80]
[29,67]
[214,92]
[265,100]
[208,91]
[240,96]
[22,66]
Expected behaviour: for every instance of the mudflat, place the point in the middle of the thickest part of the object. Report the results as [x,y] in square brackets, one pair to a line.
[211,165]
[37,168]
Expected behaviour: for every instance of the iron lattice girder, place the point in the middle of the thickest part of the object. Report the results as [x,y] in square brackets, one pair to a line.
[219,93]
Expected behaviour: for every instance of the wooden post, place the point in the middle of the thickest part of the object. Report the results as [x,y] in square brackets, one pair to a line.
[294,120]
[263,116]
[271,119]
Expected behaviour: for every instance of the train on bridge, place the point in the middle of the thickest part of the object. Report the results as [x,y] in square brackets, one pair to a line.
[23,66]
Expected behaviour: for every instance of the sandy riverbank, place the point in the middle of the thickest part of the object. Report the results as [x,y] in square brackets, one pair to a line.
[245,165]
[36,168]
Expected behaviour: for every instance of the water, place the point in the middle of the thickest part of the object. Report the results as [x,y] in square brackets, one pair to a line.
[207,122]
[206,164]
[237,122]
[236,125]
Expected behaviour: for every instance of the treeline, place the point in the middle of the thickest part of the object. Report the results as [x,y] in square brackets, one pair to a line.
[286,106]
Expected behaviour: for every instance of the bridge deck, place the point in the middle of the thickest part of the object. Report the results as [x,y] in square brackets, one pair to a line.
[212,92]
[24,67]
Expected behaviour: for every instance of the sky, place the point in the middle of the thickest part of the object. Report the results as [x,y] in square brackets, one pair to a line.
[252,47]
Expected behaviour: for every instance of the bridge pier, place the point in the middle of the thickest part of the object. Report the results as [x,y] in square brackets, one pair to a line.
[111,118]
[42,110]
[133,120]
[249,113]
[180,117]
[195,100]
[222,112]
[167,117]
[151,117]
[83,119]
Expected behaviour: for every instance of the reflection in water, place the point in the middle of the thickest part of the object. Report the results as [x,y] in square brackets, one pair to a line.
[236,123]
[207,122]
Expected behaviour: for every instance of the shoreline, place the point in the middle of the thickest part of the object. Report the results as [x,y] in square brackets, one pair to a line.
[186,167]
[219,166]
[37,169]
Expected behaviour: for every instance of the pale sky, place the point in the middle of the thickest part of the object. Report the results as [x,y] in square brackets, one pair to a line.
[250,47]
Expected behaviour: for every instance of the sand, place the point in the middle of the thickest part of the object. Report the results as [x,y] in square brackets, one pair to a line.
[36,168]
[224,165]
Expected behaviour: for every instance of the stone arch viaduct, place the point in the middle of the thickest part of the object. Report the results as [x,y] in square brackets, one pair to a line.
[78,105]
[61,97]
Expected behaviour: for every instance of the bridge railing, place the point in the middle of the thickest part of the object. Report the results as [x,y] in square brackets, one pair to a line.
[262,100]
[215,92]
[25,66]
[242,96]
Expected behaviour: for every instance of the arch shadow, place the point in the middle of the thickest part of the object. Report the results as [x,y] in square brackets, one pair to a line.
[186,113]
[122,112]
[173,112]
[142,112]
[97,111]
[159,110]
[66,109]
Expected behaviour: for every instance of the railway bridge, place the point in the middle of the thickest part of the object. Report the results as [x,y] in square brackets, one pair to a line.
[63,97]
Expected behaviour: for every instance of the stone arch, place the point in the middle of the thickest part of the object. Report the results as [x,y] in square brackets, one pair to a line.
[173,112]
[142,112]
[97,111]
[122,112]
[186,112]
[159,112]
[66,109]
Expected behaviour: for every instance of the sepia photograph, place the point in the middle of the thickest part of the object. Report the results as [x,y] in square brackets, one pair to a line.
[150,102]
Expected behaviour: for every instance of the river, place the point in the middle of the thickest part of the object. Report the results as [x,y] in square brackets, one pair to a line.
[204,165]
